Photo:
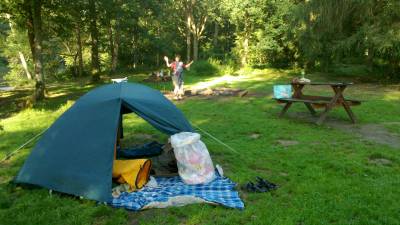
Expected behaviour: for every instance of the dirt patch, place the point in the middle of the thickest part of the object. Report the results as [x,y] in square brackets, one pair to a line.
[255,136]
[381,162]
[156,77]
[392,123]
[209,93]
[379,159]
[287,143]
[220,94]
[379,134]
[6,88]
[376,133]
[284,174]
[217,92]
[144,137]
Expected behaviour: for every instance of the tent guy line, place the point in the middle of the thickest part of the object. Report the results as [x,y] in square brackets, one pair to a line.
[216,139]
[9,155]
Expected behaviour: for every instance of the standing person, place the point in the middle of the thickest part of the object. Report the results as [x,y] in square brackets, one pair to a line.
[177,75]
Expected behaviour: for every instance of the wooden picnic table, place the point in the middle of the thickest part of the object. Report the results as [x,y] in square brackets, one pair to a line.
[312,102]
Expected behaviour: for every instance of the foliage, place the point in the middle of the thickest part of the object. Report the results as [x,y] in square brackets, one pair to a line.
[330,31]
[212,67]
[204,68]
[315,35]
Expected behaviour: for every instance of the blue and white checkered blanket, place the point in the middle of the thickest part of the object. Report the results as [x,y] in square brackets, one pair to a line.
[220,191]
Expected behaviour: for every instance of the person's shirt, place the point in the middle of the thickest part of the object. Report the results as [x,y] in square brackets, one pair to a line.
[176,65]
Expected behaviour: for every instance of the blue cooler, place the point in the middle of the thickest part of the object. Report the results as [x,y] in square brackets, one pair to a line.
[282,91]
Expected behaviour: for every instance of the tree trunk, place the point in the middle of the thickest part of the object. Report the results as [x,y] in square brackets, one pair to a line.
[24,65]
[245,55]
[94,34]
[76,72]
[75,56]
[31,35]
[158,50]
[115,49]
[115,59]
[195,47]
[111,43]
[133,49]
[197,30]
[216,31]
[188,46]
[79,49]
[394,66]
[188,40]
[245,51]
[37,27]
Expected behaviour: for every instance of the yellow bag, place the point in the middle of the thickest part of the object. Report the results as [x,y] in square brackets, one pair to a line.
[134,172]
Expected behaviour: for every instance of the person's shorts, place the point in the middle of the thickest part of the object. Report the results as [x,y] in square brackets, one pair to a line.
[177,80]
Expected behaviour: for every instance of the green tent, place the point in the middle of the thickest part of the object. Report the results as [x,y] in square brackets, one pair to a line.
[75,155]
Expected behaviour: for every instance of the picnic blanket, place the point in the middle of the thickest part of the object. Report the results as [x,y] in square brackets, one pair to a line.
[174,192]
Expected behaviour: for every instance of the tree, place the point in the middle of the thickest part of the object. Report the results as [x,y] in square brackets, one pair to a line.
[28,14]
[112,21]
[194,15]
[35,23]
[109,34]
[14,35]
[246,16]
[94,35]
[197,24]
[77,18]
[328,32]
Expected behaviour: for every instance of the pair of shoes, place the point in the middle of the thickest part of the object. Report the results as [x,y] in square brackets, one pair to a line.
[260,187]
[266,184]
[251,187]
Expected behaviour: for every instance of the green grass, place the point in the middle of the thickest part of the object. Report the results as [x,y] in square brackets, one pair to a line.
[327,178]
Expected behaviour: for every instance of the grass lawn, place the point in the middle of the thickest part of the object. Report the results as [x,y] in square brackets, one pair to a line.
[328,175]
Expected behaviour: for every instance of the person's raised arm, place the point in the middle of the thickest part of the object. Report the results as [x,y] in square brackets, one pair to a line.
[166,61]
[188,65]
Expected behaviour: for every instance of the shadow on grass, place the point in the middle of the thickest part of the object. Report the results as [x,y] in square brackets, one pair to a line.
[15,101]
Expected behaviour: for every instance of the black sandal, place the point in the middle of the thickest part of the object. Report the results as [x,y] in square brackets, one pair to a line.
[254,188]
[249,187]
[265,183]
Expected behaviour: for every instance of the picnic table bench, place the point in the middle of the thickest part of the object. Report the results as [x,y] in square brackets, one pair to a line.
[312,102]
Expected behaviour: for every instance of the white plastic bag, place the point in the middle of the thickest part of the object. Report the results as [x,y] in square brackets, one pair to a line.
[194,162]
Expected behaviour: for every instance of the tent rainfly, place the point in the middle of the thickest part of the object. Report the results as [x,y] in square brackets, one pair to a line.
[75,155]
